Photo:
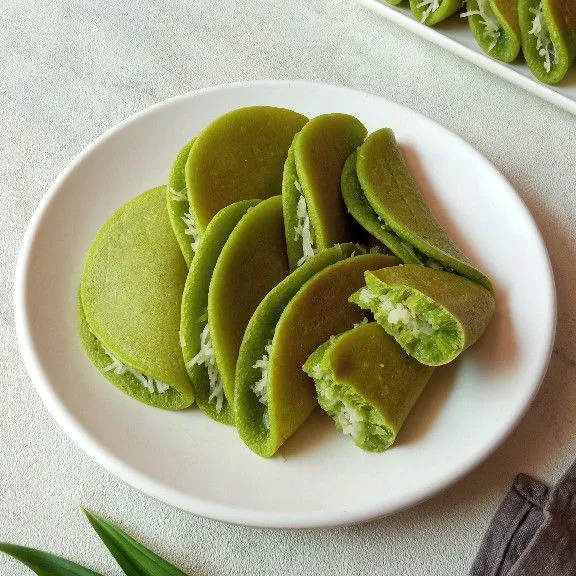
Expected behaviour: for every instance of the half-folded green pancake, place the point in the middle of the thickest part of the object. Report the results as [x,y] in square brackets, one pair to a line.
[197,348]
[367,384]
[239,156]
[434,315]
[548,37]
[314,213]
[185,230]
[129,304]
[495,26]
[273,395]
[252,262]
[432,12]
[385,199]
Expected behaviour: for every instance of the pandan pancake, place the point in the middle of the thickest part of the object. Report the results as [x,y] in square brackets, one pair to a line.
[432,12]
[239,156]
[367,384]
[197,349]
[314,213]
[412,231]
[252,261]
[434,315]
[185,230]
[273,396]
[548,37]
[495,26]
[130,297]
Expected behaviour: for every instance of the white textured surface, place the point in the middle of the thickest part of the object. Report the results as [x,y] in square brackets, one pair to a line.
[72,69]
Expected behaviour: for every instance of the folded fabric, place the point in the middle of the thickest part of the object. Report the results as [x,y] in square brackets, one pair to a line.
[548,37]
[274,396]
[434,315]
[314,213]
[367,384]
[251,263]
[239,156]
[129,303]
[533,532]
[495,26]
[432,12]
[383,197]
[195,335]
[185,230]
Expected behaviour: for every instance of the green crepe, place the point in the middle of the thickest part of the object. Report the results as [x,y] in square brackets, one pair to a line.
[186,232]
[384,198]
[367,384]
[251,263]
[548,37]
[434,315]
[239,156]
[432,12]
[495,26]
[129,303]
[314,213]
[197,348]
[273,396]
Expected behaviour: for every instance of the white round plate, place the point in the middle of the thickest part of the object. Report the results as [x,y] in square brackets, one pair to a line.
[319,478]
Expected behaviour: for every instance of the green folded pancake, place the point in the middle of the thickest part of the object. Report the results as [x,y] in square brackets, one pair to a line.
[273,396]
[251,263]
[239,156]
[495,26]
[548,37]
[129,303]
[384,198]
[314,213]
[187,234]
[434,315]
[432,12]
[367,384]
[197,348]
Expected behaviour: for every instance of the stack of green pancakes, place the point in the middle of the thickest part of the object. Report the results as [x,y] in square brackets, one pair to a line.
[288,263]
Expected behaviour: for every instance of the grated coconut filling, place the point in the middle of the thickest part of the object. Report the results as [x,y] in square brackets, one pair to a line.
[261,387]
[303,228]
[431,6]
[192,230]
[544,44]
[488,20]
[178,195]
[396,313]
[146,381]
[207,357]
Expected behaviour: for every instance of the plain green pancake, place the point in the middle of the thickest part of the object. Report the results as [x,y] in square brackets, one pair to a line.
[367,384]
[314,214]
[130,297]
[197,348]
[239,156]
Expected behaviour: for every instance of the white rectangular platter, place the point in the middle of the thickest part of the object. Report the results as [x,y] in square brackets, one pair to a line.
[455,35]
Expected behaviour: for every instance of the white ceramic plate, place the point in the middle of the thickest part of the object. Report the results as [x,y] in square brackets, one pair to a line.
[319,478]
[454,35]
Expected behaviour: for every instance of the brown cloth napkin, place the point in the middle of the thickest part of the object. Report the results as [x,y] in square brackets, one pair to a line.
[533,532]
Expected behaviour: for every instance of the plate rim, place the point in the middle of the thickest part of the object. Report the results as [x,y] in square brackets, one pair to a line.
[201,506]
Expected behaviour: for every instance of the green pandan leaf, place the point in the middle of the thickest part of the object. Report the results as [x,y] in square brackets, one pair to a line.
[45,564]
[133,558]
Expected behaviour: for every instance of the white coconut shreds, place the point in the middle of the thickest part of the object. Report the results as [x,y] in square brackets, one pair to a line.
[303,228]
[182,340]
[544,44]
[178,195]
[146,381]
[362,322]
[488,20]
[207,357]
[192,230]
[261,387]
[396,313]
[431,6]
[350,420]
